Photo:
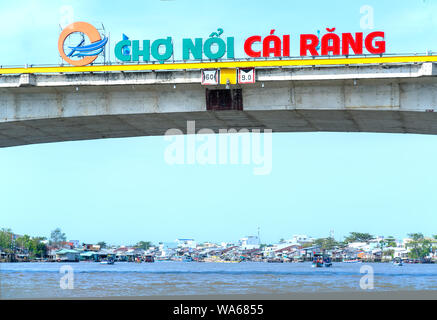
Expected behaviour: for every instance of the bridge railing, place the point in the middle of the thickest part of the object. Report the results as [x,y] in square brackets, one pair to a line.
[169,62]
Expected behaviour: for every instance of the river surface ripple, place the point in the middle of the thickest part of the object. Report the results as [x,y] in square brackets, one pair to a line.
[94,280]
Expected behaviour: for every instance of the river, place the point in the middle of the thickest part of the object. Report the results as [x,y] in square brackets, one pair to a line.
[94,280]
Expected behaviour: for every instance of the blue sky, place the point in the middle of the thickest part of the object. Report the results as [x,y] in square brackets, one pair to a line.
[122,191]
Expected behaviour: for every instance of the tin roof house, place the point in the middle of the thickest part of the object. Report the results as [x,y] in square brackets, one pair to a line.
[67,255]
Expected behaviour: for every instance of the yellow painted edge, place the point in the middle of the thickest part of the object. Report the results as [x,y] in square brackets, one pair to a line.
[218,65]
[228,74]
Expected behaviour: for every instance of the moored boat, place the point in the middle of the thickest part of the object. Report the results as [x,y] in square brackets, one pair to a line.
[317,261]
[352,261]
[397,262]
[188,259]
[327,262]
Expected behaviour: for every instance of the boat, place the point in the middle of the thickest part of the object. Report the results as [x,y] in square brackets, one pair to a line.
[149,259]
[317,264]
[351,260]
[327,262]
[107,262]
[298,259]
[188,259]
[317,261]
[398,262]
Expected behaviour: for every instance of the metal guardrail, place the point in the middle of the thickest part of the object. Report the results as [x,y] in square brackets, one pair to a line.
[224,63]
[169,62]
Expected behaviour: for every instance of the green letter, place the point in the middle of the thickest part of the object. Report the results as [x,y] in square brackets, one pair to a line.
[119,50]
[230,48]
[221,48]
[190,47]
[168,49]
[136,52]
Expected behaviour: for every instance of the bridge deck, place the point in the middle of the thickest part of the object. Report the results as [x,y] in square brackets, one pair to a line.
[396,98]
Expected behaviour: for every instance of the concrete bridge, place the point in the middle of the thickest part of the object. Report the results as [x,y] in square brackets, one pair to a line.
[50,107]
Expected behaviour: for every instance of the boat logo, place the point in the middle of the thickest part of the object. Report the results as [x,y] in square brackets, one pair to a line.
[87,53]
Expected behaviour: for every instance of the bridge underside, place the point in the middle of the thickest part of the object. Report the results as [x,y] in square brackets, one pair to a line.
[134,125]
[66,107]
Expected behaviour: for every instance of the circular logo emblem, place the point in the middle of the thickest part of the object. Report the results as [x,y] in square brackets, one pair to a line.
[86,53]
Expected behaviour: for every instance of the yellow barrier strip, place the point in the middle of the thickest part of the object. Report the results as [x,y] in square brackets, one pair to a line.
[218,65]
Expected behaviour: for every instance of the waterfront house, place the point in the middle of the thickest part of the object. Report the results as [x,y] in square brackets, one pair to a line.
[106,254]
[248,243]
[89,256]
[121,255]
[309,252]
[400,252]
[51,253]
[67,255]
[288,251]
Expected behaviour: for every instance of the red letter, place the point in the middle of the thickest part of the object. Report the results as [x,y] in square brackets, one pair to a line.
[328,47]
[304,45]
[356,44]
[286,45]
[248,47]
[267,48]
[379,45]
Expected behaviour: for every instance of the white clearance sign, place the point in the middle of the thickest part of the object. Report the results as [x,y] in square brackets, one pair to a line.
[210,77]
[246,75]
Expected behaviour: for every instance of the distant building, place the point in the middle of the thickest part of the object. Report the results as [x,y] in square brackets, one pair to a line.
[249,243]
[207,245]
[226,244]
[300,239]
[359,246]
[169,245]
[75,243]
[66,245]
[186,243]
[91,247]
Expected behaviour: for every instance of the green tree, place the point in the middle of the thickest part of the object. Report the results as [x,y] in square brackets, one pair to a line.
[24,243]
[307,245]
[143,245]
[34,246]
[326,243]
[102,244]
[434,244]
[40,247]
[389,253]
[390,242]
[6,239]
[57,237]
[419,246]
[358,237]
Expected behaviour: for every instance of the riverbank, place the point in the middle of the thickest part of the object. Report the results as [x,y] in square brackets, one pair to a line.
[405,261]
